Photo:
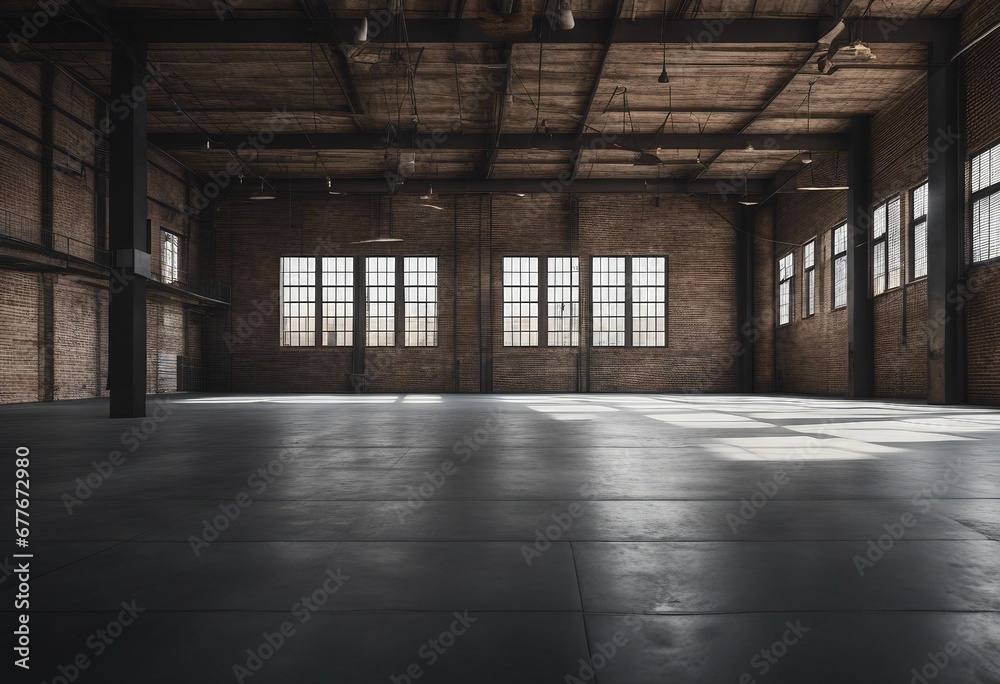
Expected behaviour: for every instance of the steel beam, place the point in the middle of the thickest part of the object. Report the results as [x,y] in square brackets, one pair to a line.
[947,293]
[694,32]
[817,142]
[860,323]
[128,239]
[527,186]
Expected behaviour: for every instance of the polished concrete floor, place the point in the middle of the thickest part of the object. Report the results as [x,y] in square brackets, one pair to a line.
[621,539]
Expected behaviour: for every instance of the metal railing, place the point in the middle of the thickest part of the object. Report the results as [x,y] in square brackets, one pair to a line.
[30,231]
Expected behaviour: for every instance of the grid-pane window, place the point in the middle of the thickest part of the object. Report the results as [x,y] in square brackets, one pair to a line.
[649,301]
[786,270]
[918,232]
[520,301]
[809,279]
[380,285]
[886,254]
[563,301]
[420,290]
[338,301]
[170,257]
[608,284]
[840,267]
[986,205]
[298,301]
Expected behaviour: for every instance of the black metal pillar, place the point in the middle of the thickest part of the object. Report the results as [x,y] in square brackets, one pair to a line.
[745,327]
[128,241]
[860,324]
[946,293]
[359,382]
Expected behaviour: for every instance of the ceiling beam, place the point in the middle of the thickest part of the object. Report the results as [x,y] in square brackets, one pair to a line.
[818,142]
[831,24]
[693,32]
[601,62]
[528,186]
[500,109]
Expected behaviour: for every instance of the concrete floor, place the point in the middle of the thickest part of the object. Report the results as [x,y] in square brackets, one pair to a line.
[655,539]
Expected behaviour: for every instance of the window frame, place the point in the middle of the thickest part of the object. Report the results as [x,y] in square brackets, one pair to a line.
[322,301]
[791,288]
[911,262]
[575,330]
[403,302]
[629,304]
[540,261]
[975,196]
[165,235]
[884,243]
[809,281]
[317,307]
[835,256]
[391,333]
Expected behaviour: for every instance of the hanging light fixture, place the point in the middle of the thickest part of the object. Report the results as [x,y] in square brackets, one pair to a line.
[564,16]
[664,78]
[361,33]
[261,195]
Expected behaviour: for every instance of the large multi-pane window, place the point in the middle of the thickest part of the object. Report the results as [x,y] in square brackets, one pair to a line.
[649,301]
[298,301]
[520,301]
[786,271]
[809,279]
[886,263]
[629,301]
[563,301]
[338,301]
[327,297]
[839,254]
[420,292]
[918,233]
[170,257]
[380,290]
[607,276]
[985,177]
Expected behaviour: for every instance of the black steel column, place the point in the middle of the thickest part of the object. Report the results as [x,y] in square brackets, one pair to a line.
[946,294]
[358,381]
[745,327]
[860,324]
[128,240]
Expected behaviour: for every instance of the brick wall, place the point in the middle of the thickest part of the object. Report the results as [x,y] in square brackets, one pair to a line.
[54,336]
[981,66]
[470,237]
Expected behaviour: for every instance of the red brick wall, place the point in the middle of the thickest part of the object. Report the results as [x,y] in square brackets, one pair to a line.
[980,69]
[474,233]
[67,358]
